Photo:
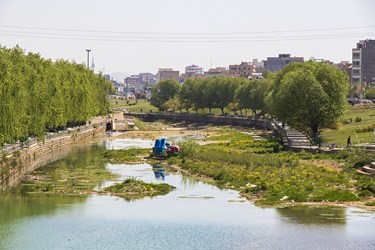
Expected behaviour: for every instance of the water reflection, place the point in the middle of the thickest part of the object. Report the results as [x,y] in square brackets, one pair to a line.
[17,207]
[127,143]
[313,215]
[159,172]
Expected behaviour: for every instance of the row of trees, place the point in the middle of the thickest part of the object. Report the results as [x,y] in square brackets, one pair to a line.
[308,96]
[214,92]
[38,94]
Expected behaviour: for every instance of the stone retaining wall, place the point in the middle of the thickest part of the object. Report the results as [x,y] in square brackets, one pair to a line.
[257,123]
[30,158]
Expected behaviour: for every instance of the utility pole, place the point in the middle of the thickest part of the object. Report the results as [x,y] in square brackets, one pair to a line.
[88,58]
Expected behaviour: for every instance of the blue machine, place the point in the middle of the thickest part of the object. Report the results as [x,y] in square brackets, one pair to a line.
[159,147]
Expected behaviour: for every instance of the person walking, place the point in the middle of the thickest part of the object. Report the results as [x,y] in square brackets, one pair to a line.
[348,142]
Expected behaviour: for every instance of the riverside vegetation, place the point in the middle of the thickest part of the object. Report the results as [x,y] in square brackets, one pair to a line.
[132,189]
[38,95]
[263,173]
[79,174]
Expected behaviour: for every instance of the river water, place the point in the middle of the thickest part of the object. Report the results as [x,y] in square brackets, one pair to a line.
[194,216]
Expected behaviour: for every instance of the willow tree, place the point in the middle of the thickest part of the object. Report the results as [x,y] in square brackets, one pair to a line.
[309,96]
[37,95]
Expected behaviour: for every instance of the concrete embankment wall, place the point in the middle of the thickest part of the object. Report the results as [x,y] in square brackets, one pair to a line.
[14,167]
[264,124]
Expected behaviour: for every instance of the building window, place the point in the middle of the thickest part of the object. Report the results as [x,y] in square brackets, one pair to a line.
[356,63]
[356,55]
[356,72]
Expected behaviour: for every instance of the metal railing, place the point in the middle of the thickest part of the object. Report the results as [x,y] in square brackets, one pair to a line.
[11,148]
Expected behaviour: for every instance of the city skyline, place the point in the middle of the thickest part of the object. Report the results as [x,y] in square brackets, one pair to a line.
[134,37]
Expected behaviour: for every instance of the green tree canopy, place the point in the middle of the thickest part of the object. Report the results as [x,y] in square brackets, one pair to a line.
[37,95]
[309,96]
[163,91]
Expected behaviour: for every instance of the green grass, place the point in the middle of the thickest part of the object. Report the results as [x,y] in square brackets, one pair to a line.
[126,155]
[133,106]
[370,203]
[260,169]
[366,113]
[132,189]
[256,170]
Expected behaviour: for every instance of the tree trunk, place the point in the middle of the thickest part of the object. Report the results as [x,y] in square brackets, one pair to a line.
[222,111]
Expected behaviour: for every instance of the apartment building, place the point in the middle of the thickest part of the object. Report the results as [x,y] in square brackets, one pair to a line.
[278,63]
[363,62]
[167,73]
[245,69]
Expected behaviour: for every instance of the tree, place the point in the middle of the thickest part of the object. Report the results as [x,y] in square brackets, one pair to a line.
[223,90]
[37,95]
[163,91]
[309,96]
[187,94]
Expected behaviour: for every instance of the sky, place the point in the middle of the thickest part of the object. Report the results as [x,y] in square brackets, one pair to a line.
[141,36]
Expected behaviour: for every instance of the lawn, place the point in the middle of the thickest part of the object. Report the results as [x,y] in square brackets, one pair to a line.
[133,105]
[348,125]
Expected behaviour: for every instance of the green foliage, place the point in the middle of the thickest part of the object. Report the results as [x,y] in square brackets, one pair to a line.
[347,121]
[370,92]
[132,189]
[340,136]
[139,124]
[252,94]
[358,119]
[365,129]
[188,148]
[309,96]
[237,161]
[163,92]
[370,203]
[125,155]
[334,195]
[37,94]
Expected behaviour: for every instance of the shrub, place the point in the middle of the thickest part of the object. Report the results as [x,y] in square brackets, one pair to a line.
[188,148]
[366,193]
[139,124]
[366,129]
[347,121]
[335,195]
[370,203]
[358,119]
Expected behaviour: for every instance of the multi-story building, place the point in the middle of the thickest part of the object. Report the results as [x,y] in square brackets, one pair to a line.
[218,71]
[259,65]
[167,73]
[245,69]
[363,68]
[278,63]
[147,78]
[193,70]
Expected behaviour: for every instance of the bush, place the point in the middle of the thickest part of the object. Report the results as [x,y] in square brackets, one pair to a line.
[358,119]
[335,195]
[370,203]
[188,148]
[366,129]
[347,121]
[366,193]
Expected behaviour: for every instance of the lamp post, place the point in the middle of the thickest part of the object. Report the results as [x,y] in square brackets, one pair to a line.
[88,58]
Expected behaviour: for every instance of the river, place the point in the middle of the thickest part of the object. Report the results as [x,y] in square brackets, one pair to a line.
[194,216]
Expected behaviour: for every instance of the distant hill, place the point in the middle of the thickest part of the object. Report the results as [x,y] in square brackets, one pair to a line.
[118,76]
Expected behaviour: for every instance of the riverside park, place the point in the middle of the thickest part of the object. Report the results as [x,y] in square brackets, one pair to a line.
[92,176]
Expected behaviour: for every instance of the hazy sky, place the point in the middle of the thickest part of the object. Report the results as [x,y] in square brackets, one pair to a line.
[134,36]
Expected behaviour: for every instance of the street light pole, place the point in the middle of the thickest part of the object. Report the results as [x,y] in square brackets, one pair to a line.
[88,58]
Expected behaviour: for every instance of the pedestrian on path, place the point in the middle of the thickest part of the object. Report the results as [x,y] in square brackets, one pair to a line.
[348,142]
